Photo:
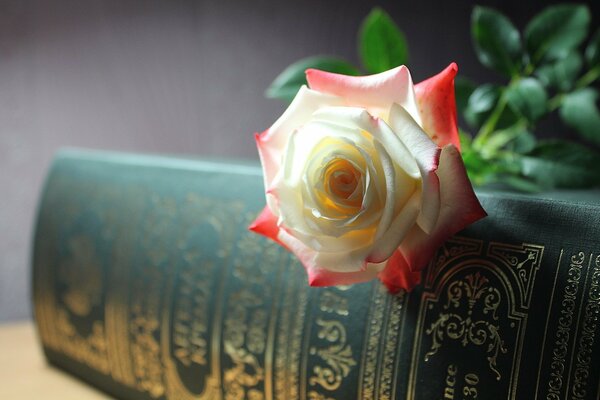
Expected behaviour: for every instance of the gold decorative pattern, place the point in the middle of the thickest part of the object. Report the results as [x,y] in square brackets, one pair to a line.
[69,287]
[104,346]
[163,310]
[373,339]
[474,291]
[295,345]
[243,346]
[337,356]
[475,297]
[191,331]
[283,338]
[291,323]
[144,325]
[43,290]
[82,275]
[563,331]
[388,361]
[312,395]
[248,323]
[331,302]
[90,350]
[116,305]
[326,345]
[518,258]
[588,332]
[451,250]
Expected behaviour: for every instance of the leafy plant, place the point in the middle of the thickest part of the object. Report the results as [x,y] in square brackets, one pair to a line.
[549,69]
[381,46]
[546,73]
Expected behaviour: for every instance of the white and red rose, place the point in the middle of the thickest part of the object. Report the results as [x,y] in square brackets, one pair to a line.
[364,178]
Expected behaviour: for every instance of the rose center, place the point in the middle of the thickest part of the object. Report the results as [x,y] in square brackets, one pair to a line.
[342,182]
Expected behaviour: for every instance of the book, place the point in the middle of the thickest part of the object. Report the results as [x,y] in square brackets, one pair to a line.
[147,285]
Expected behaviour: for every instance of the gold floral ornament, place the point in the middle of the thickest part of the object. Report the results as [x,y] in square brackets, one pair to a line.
[364,178]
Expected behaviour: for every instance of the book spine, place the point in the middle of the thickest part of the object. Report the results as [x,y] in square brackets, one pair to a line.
[148,286]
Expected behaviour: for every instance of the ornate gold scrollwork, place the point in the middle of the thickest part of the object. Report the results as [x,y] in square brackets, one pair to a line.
[312,395]
[337,356]
[249,323]
[562,336]
[82,274]
[588,336]
[331,302]
[191,331]
[243,344]
[472,290]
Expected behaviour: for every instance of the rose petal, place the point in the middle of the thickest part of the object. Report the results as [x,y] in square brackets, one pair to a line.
[437,107]
[320,276]
[271,143]
[266,224]
[390,148]
[323,277]
[459,208]
[358,117]
[385,245]
[427,155]
[397,275]
[294,213]
[342,261]
[374,92]
[270,158]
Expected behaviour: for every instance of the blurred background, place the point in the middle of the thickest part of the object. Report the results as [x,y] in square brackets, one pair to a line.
[175,77]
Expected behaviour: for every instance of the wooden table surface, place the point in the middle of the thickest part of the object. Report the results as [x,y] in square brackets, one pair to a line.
[24,373]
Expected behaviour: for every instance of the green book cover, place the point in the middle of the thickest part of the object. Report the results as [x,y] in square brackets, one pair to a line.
[148,285]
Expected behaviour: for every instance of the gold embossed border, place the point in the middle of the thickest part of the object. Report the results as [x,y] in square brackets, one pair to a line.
[380,351]
[79,272]
[224,219]
[460,254]
[561,358]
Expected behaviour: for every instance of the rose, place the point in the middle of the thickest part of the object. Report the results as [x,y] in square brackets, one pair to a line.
[363,176]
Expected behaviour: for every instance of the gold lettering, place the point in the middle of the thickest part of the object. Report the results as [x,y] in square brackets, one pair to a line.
[469,389]
[471,379]
[452,370]
[470,392]
[450,381]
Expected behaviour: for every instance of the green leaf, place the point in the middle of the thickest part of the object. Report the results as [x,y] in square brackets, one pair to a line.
[561,74]
[560,163]
[478,169]
[480,104]
[287,84]
[484,98]
[556,31]
[463,89]
[579,111]
[465,139]
[515,136]
[592,51]
[507,118]
[382,45]
[528,98]
[524,143]
[497,42]
[509,181]
[482,171]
